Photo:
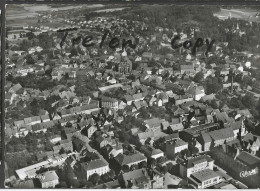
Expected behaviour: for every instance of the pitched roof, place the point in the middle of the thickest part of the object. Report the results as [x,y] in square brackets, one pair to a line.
[221,134]
[235,125]
[138,96]
[135,175]
[16,87]
[154,122]
[196,90]
[49,176]
[201,158]
[248,159]
[177,127]
[129,98]
[145,135]
[186,67]
[205,174]
[94,164]
[206,137]
[123,159]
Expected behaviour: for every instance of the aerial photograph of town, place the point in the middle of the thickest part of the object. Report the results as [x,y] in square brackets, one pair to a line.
[136,96]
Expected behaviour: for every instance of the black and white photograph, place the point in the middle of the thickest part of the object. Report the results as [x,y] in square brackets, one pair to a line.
[132,96]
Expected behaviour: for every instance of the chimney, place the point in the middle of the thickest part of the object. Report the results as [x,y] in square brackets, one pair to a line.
[231,83]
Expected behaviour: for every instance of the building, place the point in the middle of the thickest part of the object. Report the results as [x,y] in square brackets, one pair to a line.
[151,152]
[205,178]
[125,66]
[175,146]
[197,92]
[221,136]
[241,165]
[136,179]
[205,140]
[99,166]
[131,159]
[195,164]
[187,69]
[108,102]
[48,179]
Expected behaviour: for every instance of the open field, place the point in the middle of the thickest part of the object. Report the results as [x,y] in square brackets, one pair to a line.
[26,14]
[243,14]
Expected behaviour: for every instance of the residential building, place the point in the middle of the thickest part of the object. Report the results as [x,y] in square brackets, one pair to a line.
[99,166]
[48,179]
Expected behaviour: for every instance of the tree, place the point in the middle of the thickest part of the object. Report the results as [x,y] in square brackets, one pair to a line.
[73,52]
[249,101]
[193,150]
[62,151]
[29,60]
[48,146]
[164,169]
[111,173]
[142,164]
[198,77]
[89,184]
[61,185]
[105,177]
[75,183]
[94,179]
[125,168]
[30,35]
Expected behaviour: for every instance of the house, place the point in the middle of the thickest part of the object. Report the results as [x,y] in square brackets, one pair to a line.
[208,98]
[187,69]
[91,129]
[68,133]
[176,127]
[99,166]
[223,117]
[136,179]
[45,118]
[244,112]
[153,123]
[251,143]
[128,99]
[177,111]
[107,102]
[65,144]
[131,159]
[55,138]
[171,181]
[102,141]
[183,99]
[220,136]
[32,120]
[25,184]
[138,97]
[144,136]
[15,88]
[238,127]
[151,152]
[197,92]
[114,184]
[163,98]
[205,140]
[48,179]
[116,150]
[147,56]
[195,164]
[175,146]
[125,66]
